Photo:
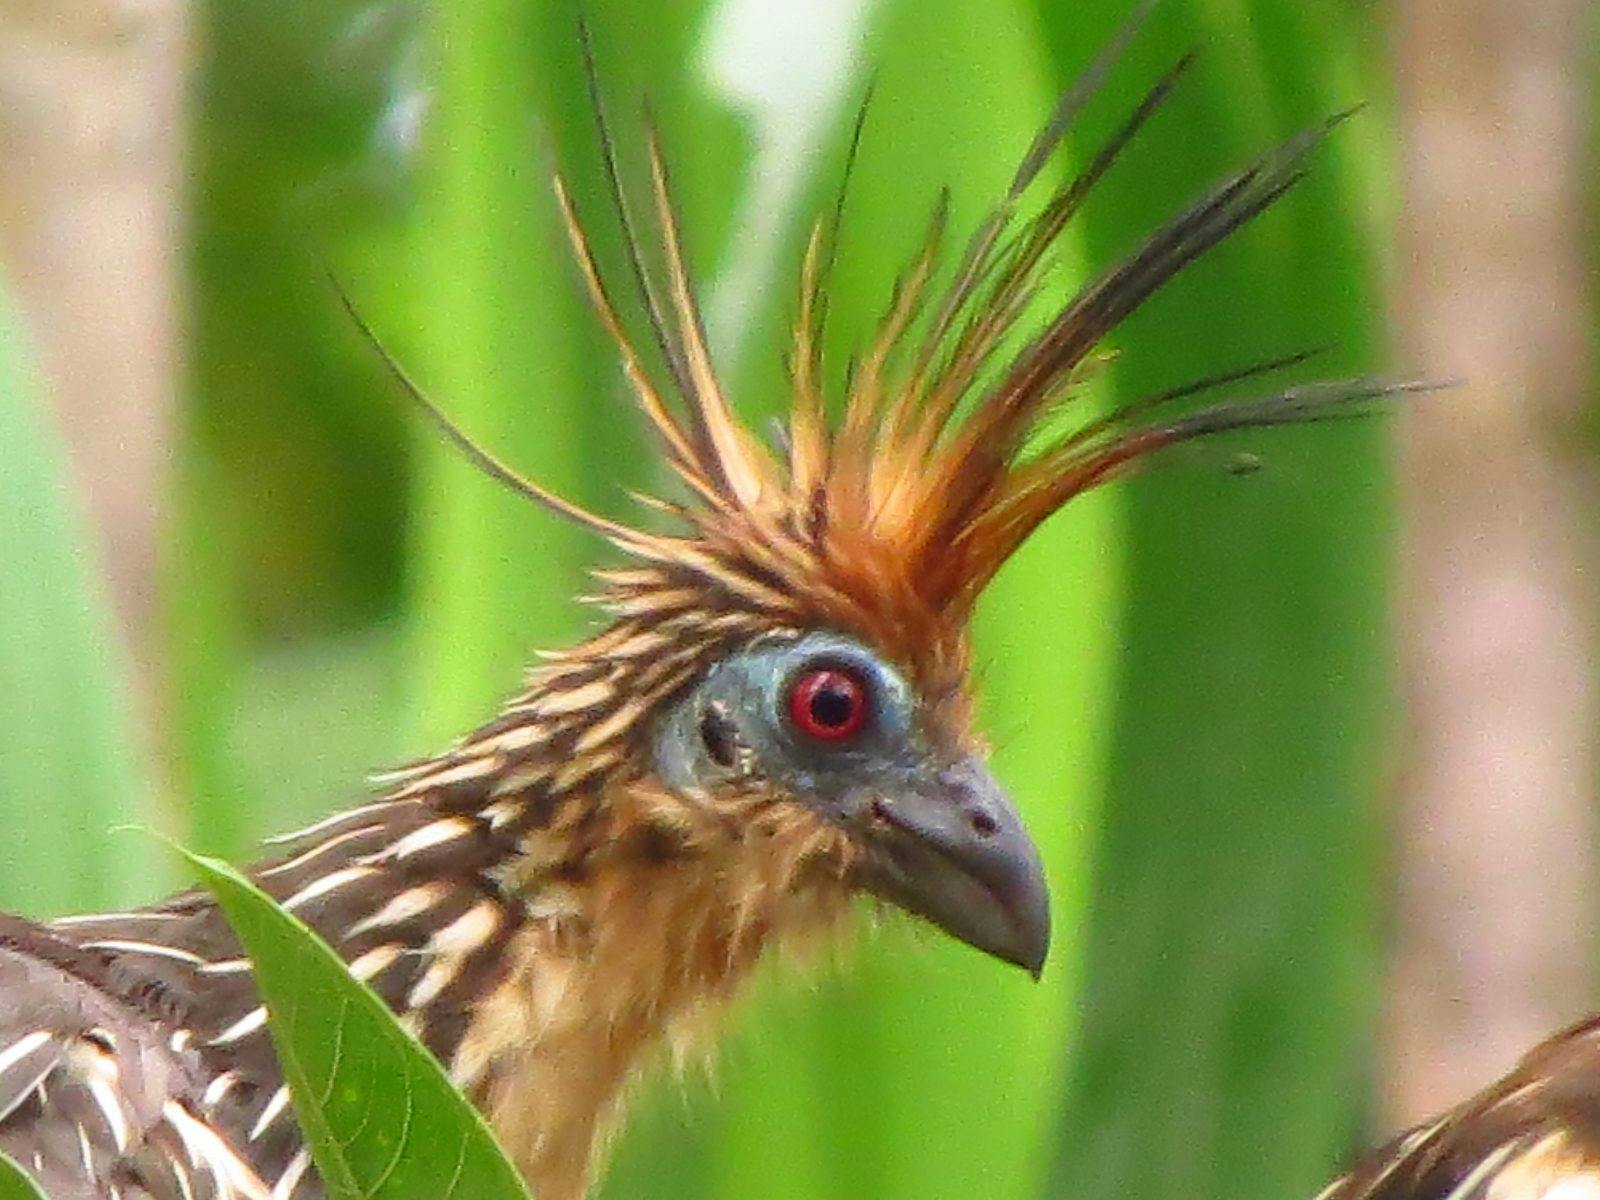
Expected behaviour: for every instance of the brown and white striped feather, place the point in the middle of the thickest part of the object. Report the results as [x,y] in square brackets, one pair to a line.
[1534,1135]
[398,888]
[100,1087]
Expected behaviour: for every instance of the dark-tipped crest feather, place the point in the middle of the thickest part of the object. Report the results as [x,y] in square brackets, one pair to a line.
[892,518]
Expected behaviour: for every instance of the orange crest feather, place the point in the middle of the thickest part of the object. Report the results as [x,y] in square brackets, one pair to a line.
[890,520]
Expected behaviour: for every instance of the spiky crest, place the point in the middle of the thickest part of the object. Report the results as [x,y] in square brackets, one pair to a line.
[890,519]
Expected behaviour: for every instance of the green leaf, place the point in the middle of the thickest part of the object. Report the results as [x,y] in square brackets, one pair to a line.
[382,1119]
[67,772]
[16,1184]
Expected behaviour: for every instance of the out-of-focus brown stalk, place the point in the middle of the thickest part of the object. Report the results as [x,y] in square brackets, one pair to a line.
[91,129]
[1495,851]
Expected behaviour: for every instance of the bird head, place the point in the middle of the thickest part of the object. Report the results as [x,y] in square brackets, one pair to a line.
[785,681]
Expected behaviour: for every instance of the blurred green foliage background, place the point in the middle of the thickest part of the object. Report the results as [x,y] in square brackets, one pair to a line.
[1184,676]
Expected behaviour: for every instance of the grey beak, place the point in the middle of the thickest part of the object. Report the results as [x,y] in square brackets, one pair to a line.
[952,849]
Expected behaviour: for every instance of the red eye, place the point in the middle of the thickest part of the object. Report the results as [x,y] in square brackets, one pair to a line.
[828,703]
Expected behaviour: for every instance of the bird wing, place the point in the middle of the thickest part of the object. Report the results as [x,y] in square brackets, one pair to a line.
[1534,1135]
[98,1091]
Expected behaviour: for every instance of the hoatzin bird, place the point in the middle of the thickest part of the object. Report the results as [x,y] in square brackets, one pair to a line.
[778,717]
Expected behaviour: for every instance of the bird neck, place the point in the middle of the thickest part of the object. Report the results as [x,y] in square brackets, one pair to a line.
[637,952]
[569,936]
[641,924]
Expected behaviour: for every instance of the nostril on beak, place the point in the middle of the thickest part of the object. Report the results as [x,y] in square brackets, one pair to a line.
[983,822]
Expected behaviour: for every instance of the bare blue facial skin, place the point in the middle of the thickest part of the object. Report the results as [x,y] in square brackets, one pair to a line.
[940,837]
[735,724]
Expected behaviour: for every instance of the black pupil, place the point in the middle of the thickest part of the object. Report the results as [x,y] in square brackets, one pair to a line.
[833,705]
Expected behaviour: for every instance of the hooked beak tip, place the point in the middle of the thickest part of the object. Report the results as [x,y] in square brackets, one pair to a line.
[1029,910]
[958,856]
